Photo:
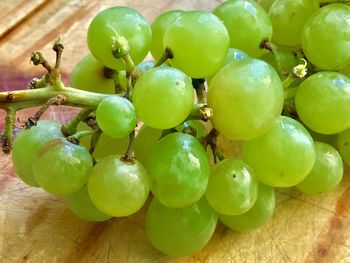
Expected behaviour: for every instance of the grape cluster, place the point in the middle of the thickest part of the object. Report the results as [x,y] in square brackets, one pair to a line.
[274,74]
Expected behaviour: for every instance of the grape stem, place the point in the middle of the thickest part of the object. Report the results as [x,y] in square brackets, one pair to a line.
[199,87]
[200,111]
[167,54]
[75,138]
[211,140]
[21,99]
[32,121]
[71,127]
[114,75]
[128,155]
[7,136]
[58,48]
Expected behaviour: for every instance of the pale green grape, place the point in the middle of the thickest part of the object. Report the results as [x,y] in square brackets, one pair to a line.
[199,41]
[159,26]
[282,61]
[81,205]
[326,173]
[256,216]
[233,55]
[266,4]
[145,141]
[163,97]
[283,156]
[247,23]
[343,145]
[232,187]
[182,231]
[61,167]
[125,22]
[288,18]
[346,71]
[246,98]
[116,116]
[118,187]
[323,102]
[326,37]
[145,66]
[329,139]
[179,170]
[88,75]
[201,131]
[26,145]
[106,145]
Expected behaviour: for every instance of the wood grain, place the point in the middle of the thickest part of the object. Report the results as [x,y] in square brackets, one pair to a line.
[38,227]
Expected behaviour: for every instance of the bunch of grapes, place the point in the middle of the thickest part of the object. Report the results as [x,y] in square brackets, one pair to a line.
[275,76]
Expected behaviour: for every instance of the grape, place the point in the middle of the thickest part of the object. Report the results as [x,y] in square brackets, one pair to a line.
[159,26]
[266,4]
[326,37]
[246,98]
[343,144]
[233,55]
[282,61]
[323,102]
[116,116]
[345,71]
[232,187]
[117,187]
[125,22]
[326,173]
[88,75]
[256,216]
[179,170]
[288,18]
[81,205]
[26,145]
[248,27]
[106,145]
[201,131]
[199,41]
[145,141]
[183,231]
[61,167]
[163,97]
[283,156]
[145,66]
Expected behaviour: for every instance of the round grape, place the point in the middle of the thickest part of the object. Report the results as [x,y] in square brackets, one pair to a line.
[116,116]
[61,167]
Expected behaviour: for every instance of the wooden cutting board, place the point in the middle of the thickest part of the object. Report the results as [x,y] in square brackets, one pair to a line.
[38,227]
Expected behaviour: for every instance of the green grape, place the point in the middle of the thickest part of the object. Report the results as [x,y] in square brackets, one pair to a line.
[246,98]
[81,205]
[248,27]
[163,97]
[116,116]
[199,41]
[326,36]
[326,173]
[106,145]
[122,21]
[266,4]
[179,170]
[282,61]
[182,231]
[145,141]
[145,66]
[61,167]
[88,75]
[323,102]
[159,26]
[256,216]
[343,145]
[346,71]
[283,156]
[26,145]
[118,187]
[200,129]
[232,187]
[233,55]
[329,139]
[288,18]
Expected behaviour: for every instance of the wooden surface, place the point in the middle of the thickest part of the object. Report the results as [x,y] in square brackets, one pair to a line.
[38,227]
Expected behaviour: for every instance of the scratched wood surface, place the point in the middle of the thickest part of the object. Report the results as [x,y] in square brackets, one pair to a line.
[38,227]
